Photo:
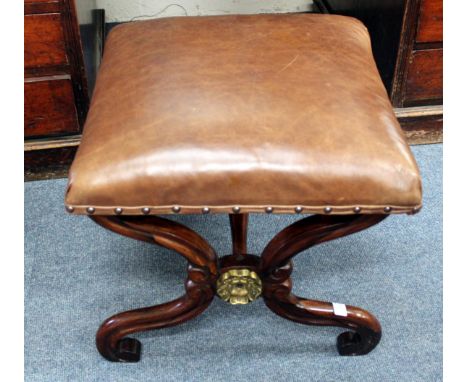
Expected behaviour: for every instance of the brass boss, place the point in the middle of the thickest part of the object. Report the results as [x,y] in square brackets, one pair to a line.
[239,286]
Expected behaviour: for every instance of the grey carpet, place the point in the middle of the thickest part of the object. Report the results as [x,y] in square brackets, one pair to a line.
[77,274]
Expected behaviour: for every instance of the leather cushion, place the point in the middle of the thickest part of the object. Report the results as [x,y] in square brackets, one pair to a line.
[250,111]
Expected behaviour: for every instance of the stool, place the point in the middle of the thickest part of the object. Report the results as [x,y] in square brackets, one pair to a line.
[238,115]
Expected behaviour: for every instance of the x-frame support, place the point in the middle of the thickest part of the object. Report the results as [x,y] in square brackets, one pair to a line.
[273,267]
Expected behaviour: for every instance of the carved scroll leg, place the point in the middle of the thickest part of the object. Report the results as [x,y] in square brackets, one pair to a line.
[366,331]
[276,270]
[111,338]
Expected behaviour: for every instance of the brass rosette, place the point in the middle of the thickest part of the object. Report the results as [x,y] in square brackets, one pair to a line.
[239,286]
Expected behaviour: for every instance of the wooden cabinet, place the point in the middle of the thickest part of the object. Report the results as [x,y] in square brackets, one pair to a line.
[417,89]
[56,93]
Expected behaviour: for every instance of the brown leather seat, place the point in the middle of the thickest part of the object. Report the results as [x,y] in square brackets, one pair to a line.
[276,113]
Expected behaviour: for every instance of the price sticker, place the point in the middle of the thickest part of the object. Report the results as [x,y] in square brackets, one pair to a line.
[339,309]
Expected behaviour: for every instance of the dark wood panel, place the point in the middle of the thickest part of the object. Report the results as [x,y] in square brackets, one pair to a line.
[430,21]
[421,124]
[44,71]
[44,42]
[405,48]
[49,107]
[48,164]
[423,130]
[424,79]
[31,7]
[75,54]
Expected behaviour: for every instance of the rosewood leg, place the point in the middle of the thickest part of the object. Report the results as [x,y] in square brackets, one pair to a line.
[276,269]
[111,338]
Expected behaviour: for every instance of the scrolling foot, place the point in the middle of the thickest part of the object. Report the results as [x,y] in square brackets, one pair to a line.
[129,350]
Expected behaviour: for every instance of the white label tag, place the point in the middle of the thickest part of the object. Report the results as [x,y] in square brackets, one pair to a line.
[339,309]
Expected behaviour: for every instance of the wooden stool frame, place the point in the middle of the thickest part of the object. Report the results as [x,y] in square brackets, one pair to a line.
[273,267]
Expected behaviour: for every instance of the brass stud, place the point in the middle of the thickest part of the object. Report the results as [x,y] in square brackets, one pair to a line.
[205,210]
[387,209]
[327,210]
[298,209]
[146,210]
[415,210]
[118,211]
[176,209]
[236,209]
[69,209]
[357,210]
[269,210]
[90,210]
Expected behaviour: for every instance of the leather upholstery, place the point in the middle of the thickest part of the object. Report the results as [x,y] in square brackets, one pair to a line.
[250,111]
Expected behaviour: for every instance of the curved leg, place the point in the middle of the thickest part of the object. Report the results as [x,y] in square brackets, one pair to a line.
[311,231]
[366,332]
[276,269]
[166,233]
[111,339]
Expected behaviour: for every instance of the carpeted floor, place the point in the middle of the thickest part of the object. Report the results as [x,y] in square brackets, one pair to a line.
[77,274]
